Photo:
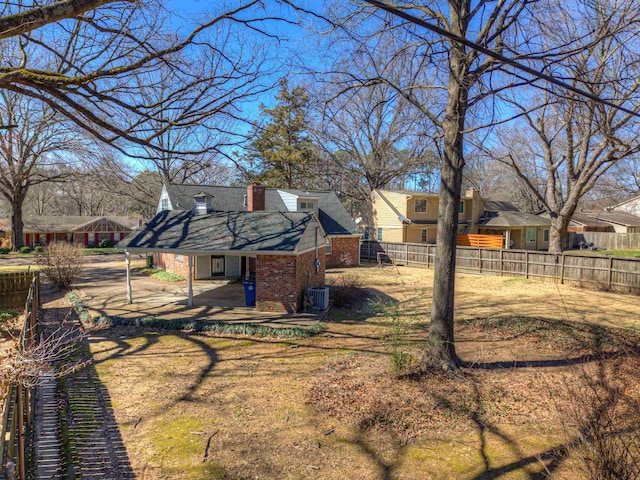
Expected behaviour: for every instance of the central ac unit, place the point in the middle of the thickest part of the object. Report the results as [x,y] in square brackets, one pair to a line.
[320,297]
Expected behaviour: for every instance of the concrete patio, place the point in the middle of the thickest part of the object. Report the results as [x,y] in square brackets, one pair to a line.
[104,290]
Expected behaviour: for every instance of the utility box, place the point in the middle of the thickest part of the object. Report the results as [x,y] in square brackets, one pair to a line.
[320,297]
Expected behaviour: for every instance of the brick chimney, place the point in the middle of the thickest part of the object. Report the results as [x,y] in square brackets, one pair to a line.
[255,197]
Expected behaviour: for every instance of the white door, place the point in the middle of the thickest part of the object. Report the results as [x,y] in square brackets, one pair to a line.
[217,266]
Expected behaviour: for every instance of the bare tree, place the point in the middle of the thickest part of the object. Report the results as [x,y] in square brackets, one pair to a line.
[449,84]
[574,141]
[372,138]
[92,66]
[32,149]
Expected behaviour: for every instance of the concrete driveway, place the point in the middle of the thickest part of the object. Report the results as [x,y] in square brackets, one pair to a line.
[103,286]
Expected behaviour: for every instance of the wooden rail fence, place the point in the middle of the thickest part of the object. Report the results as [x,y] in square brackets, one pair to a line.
[620,273]
[18,404]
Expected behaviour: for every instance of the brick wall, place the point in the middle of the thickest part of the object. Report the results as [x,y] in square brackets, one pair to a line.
[346,252]
[172,263]
[282,280]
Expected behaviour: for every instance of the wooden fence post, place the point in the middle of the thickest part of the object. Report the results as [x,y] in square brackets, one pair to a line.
[406,253]
[480,259]
[526,264]
[21,457]
[610,271]
[562,270]
[501,260]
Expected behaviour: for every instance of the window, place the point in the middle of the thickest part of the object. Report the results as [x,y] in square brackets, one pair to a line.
[461,207]
[424,236]
[379,234]
[545,235]
[164,204]
[306,205]
[420,205]
[179,258]
[328,249]
[531,235]
[366,234]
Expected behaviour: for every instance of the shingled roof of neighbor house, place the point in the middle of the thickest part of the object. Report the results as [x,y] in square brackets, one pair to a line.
[64,223]
[332,215]
[513,219]
[242,232]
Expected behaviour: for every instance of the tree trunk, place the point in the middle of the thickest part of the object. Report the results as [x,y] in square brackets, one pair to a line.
[440,351]
[17,225]
[558,233]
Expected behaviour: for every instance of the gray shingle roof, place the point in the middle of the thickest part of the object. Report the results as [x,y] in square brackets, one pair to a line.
[220,231]
[513,219]
[499,206]
[64,223]
[332,215]
[619,218]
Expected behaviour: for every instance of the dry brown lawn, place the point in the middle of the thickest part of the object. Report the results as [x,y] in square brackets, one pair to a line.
[204,407]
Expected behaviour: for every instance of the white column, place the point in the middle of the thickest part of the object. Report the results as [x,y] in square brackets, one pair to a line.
[507,239]
[246,270]
[190,301]
[127,260]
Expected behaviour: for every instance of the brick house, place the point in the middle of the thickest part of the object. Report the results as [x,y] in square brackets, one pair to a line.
[342,238]
[84,230]
[283,251]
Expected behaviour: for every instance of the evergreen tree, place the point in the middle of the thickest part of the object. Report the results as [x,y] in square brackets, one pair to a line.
[281,154]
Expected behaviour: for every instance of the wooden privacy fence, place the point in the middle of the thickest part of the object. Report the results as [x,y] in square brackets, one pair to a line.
[18,404]
[612,272]
[14,288]
[608,240]
[483,241]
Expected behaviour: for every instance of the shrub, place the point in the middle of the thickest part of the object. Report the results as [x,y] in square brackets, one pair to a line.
[4,250]
[62,263]
[347,291]
[25,249]
[105,243]
[38,249]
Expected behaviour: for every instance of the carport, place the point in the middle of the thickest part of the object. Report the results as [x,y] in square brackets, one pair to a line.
[286,249]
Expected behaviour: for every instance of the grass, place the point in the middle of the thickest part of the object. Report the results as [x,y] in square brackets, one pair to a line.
[332,407]
[159,274]
[609,253]
[18,268]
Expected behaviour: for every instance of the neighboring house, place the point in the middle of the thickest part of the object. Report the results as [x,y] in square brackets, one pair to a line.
[283,251]
[631,205]
[521,231]
[588,222]
[605,221]
[342,236]
[85,230]
[402,216]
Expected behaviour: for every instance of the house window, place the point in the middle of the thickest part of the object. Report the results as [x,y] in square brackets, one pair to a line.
[328,249]
[531,235]
[423,238]
[366,234]
[164,204]
[461,207]
[379,234]
[179,258]
[545,235]
[420,205]
[306,205]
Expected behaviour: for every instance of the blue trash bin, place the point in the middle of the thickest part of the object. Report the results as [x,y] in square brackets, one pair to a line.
[249,292]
